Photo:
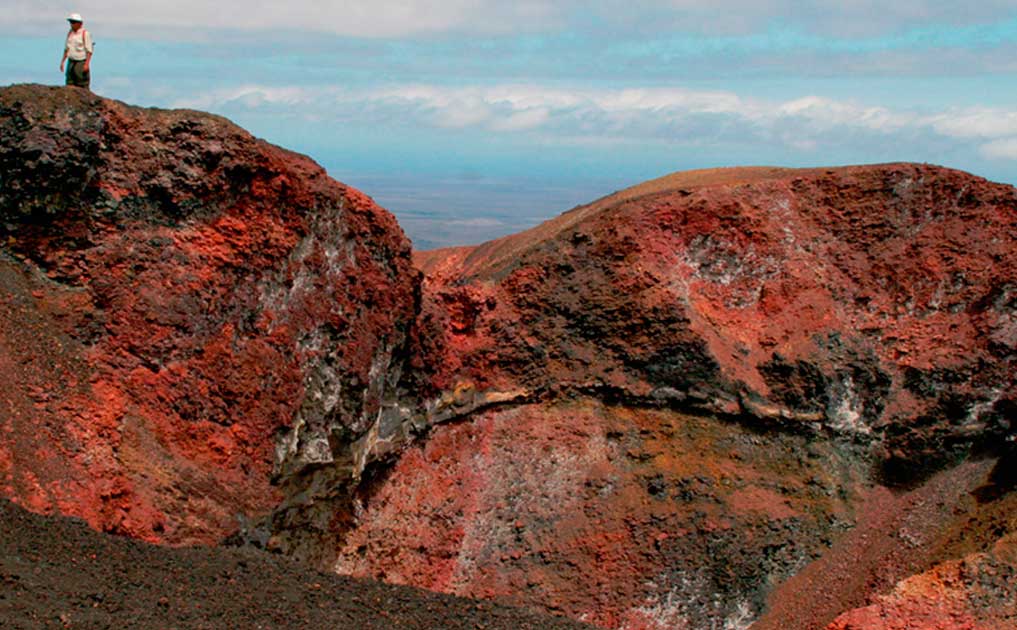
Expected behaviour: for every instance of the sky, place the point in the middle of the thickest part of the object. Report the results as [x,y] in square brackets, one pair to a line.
[471,119]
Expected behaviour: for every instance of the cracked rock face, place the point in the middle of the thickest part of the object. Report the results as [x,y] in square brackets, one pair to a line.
[778,398]
[719,399]
[186,312]
[616,516]
[871,302]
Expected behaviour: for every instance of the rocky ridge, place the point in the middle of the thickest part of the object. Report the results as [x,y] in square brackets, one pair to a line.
[672,407]
[865,301]
[188,313]
[769,356]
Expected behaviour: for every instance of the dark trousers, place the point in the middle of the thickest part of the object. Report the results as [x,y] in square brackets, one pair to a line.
[77,75]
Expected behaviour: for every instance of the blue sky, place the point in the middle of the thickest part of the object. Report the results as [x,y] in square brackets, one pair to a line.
[474,118]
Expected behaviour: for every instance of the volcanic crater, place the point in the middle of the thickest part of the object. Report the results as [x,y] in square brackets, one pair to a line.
[734,398]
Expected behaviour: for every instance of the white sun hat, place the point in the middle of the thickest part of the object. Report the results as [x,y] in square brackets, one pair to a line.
[74,17]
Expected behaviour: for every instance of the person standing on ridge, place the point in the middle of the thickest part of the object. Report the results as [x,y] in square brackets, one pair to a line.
[78,52]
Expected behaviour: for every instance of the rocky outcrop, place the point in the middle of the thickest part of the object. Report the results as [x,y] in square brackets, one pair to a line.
[962,512]
[871,302]
[651,519]
[718,399]
[722,398]
[621,517]
[972,592]
[187,312]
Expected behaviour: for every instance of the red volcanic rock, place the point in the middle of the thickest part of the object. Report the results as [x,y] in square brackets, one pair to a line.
[654,519]
[956,513]
[973,585]
[973,593]
[625,518]
[779,352]
[184,308]
[722,398]
[876,302]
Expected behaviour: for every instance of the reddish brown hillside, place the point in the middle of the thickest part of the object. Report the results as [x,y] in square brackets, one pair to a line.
[182,308]
[768,397]
[865,300]
[817,345]
[488,256]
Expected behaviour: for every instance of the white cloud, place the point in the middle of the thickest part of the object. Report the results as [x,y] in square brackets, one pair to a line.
[460,114]
[1005,149]
[249,96]
[399,18]
[976,123]
[829,112]
[377,18]
[843,18]
[670,116]
[523,120]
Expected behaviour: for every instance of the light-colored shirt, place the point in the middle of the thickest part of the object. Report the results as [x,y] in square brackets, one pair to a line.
[79,45]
